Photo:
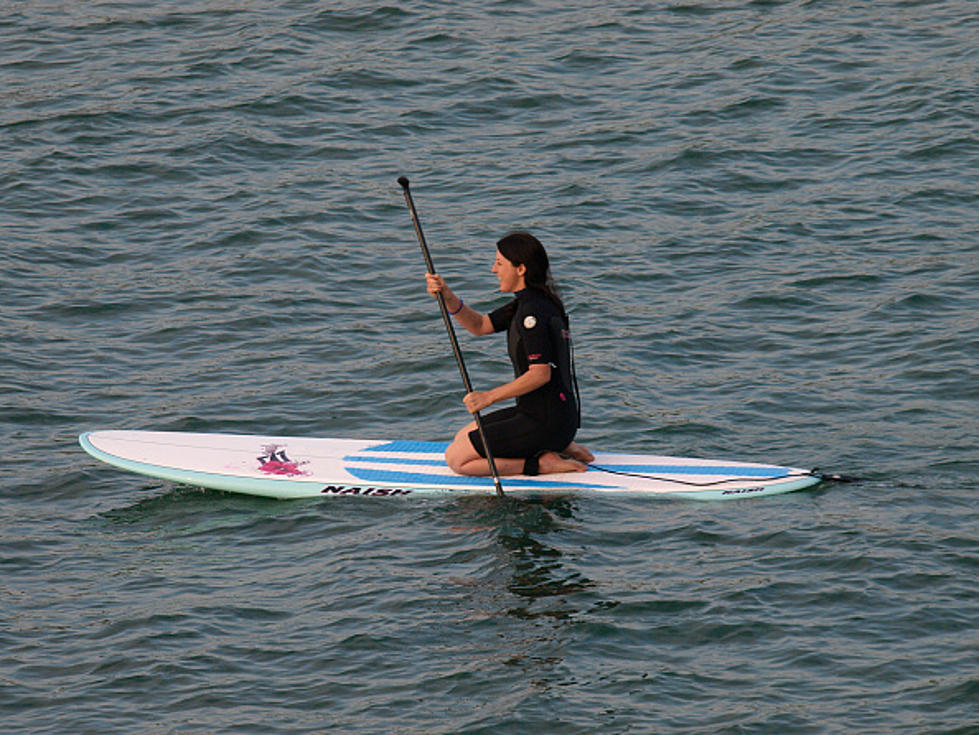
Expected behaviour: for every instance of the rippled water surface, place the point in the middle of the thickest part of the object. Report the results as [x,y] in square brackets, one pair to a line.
[763,217]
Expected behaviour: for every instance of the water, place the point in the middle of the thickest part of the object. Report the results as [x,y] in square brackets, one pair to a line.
[763,217]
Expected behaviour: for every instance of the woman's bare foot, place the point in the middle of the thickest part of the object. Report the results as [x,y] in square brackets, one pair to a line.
[578,452]
[552,462]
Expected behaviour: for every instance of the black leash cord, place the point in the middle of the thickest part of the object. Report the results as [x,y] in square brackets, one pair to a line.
[812,473]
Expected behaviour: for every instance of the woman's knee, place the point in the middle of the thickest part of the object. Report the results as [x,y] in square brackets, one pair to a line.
[453,458]
[460,451]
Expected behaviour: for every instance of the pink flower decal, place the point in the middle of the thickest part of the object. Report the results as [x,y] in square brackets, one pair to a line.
[275,462]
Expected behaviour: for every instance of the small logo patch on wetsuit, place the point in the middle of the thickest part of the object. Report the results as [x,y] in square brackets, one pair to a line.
[530,322]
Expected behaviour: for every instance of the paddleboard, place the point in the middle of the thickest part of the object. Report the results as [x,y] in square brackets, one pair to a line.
[293,467]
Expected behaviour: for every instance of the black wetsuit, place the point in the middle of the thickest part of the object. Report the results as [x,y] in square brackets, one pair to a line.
[546,418]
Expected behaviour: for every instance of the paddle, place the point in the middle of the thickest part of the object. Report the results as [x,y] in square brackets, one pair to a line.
[403,180]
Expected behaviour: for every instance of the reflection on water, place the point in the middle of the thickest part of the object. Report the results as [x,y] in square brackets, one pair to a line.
[531,576]
[540,570]
[526,586]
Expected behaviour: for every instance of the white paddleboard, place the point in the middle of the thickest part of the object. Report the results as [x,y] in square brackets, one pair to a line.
[293,467]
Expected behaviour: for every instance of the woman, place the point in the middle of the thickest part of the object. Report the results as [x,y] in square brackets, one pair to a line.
[535,436]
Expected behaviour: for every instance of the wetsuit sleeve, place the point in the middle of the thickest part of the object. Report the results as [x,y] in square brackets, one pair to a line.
[502,317]
[536,337]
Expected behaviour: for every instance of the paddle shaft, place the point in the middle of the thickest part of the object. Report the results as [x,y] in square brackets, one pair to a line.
[447,318]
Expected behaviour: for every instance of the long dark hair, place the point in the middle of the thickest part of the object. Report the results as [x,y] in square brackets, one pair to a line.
[522,248]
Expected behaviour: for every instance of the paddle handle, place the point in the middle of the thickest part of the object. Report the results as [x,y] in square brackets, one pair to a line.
[447,318]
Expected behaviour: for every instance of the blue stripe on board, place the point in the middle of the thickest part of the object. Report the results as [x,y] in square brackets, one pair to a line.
[421,447]
[410,447]
[656,469]
[396,460]
[418,447]
[421,478]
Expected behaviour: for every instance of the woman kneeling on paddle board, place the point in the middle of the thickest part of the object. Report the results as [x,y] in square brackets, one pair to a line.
[535,436]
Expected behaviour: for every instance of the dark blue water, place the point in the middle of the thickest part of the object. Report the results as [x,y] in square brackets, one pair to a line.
[763,216]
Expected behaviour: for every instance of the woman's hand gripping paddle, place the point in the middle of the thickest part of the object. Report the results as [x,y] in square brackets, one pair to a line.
[403,180]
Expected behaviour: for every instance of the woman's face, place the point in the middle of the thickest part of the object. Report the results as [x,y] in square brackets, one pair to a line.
[511,276]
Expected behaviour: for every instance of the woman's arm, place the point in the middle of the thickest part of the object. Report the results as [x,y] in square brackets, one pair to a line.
[472,320]
[534,378]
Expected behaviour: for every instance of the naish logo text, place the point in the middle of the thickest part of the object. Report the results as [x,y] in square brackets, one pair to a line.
[344,490]
[743,491]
